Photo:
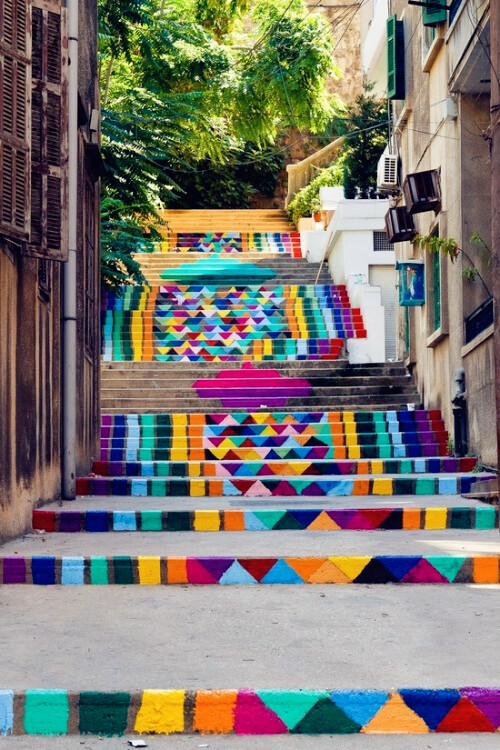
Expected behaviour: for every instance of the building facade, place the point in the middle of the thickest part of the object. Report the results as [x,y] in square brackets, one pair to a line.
[433,63]
[34,93]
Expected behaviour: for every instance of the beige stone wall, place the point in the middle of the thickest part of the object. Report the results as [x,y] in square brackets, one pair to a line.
[429,138]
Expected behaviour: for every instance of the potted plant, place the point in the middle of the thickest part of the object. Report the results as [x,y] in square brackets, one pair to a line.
[316,210]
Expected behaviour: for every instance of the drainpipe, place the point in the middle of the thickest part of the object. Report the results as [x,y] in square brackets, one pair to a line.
[69,268]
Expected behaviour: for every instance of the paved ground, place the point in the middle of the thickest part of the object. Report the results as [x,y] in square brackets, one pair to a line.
[254,544]
[230,742]
[196,503]
[337,637]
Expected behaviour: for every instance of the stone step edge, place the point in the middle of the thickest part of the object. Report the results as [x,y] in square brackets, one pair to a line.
[247,711]
[339,468]
[295,519]
[48,570]
[271,486]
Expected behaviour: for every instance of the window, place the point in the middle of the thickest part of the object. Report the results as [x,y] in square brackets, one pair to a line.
[48,133]
[455,5]
[395,59]
[14,120]
[479,320]
[381,242]
[428,36]
[436,291]
[44,278]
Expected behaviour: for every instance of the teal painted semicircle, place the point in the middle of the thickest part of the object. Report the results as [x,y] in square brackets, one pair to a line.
[221,270]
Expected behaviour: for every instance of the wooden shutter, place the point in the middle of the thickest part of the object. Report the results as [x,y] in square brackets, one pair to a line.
[14,118]
[432,15]
[395,59]
[49,132]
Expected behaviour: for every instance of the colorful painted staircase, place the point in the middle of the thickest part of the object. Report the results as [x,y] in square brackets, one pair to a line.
[388,621]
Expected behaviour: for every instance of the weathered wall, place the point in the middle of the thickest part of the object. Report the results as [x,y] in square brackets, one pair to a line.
[29,391]
[31,343]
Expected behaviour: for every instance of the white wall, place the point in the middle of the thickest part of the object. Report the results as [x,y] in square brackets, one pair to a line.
[350,234]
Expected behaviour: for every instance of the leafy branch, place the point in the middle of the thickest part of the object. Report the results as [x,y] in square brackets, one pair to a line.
[449,247]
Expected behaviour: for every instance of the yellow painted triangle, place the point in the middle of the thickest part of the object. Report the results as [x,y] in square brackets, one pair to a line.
[328,573]
[268,431]
[396,718]
[260,417]
[299,467]
[251,454]
[323,523]
[351,566]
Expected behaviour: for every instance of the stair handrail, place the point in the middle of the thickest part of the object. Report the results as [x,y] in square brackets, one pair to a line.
[300,173]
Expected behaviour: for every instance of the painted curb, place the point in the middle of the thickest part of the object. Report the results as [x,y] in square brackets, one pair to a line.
[249,712]
[295,519]
[149,570]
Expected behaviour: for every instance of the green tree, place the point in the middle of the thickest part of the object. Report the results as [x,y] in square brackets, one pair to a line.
[366,139]
[193,105]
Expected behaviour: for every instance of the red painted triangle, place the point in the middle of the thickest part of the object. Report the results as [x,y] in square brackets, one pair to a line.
[375,516]
[258,567]
[465,717]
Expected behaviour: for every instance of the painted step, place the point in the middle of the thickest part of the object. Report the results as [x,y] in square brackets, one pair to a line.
[268,519]
[251,712]
[275,486]
[47,570]
[448,465]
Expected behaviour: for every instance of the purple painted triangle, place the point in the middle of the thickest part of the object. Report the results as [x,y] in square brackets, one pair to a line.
[342,517]
[216,566]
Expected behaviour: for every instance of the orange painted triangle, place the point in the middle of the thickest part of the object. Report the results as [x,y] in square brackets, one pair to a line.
[465,717]
[323,522]
[328,573]
[396,718]
[305,567]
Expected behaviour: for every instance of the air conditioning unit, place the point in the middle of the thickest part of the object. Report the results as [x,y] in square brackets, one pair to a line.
[387,171]
[399,225]
[422,191]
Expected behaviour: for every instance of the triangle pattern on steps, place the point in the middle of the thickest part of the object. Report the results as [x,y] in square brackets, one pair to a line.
[329,459]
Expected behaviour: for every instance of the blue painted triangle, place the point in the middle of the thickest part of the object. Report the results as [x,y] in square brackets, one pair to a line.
[360,705]
[236,574]
[281,573]
[252,523]
[229,490]
[305,517]
[431,705]
[399,566]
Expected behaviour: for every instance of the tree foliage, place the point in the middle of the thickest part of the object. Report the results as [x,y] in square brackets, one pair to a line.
[366,139]
[195,94]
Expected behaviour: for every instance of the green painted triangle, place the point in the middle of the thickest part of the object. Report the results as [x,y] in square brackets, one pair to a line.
[326,718]
[291,706]
[447,566]
[269,517]
[287,521]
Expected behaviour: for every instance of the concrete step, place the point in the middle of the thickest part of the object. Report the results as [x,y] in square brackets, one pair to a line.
[340,368]
[113,380]
[274,486]
[448,465]
[69,520]
[233,656]
[177,390]
[375,401]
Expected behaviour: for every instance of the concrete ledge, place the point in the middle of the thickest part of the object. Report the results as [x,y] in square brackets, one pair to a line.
[250,712]
[477,341]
